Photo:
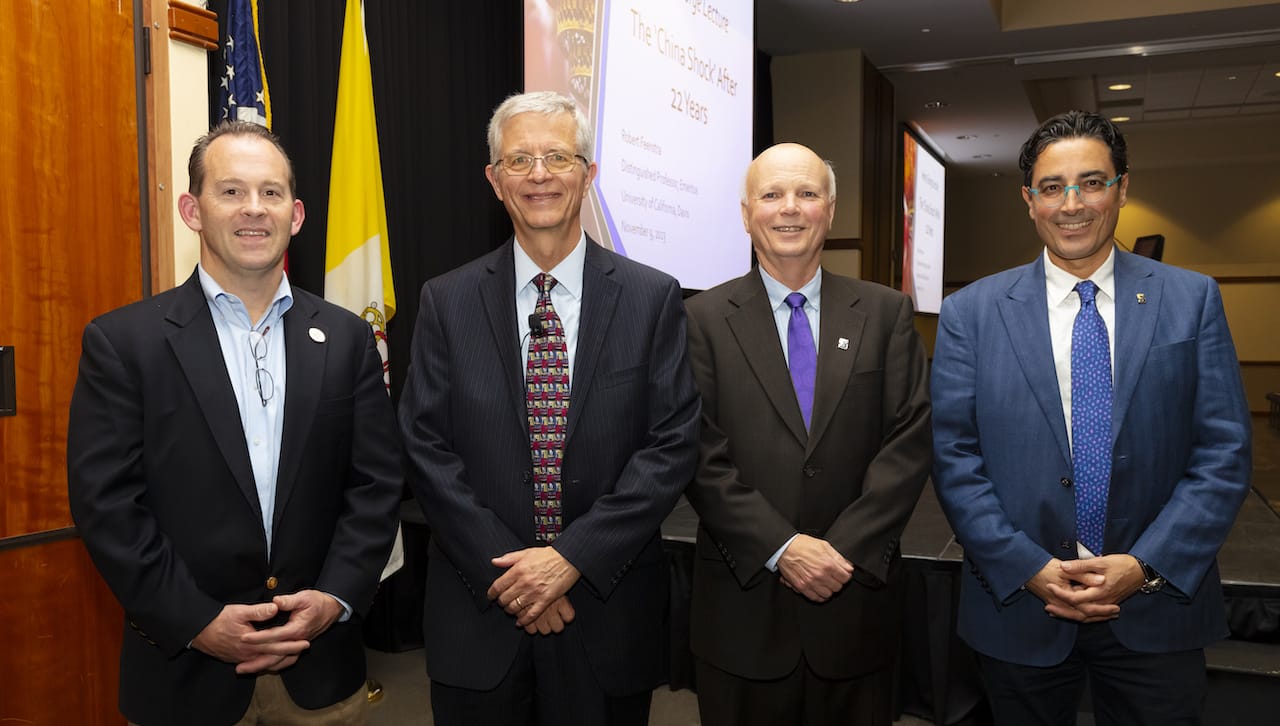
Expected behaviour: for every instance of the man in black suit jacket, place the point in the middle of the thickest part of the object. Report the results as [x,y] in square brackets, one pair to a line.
[803,488]
[528,622]
[233,466]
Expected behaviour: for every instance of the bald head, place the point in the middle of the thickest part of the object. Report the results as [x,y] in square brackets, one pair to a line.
[788,203]
[782,150]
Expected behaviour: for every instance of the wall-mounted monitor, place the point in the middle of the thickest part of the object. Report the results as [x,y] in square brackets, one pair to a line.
[669,88]
[924,187]
[1151,245]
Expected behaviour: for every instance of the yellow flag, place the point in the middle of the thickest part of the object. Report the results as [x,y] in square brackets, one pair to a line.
[357,264]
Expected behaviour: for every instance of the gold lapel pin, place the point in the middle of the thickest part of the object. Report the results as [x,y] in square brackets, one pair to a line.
[1142,298]
[843,344]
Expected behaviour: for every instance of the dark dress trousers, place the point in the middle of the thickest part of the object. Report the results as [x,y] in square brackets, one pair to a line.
[630,448]
[853,479]
[162,492]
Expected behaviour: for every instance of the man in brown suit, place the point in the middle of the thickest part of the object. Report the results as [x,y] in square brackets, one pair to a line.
[815,445]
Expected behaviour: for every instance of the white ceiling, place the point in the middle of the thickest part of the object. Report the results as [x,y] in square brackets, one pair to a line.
[1204,90]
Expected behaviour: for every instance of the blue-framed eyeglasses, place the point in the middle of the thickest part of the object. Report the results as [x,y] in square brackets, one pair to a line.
[1052,194]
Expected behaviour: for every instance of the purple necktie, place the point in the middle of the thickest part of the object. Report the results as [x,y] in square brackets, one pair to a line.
[547,401]
[802,358]
[1090,418]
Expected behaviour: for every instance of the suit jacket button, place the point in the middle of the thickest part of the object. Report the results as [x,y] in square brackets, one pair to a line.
[1065,544]
[1064,481]
[810,472]
[272,582]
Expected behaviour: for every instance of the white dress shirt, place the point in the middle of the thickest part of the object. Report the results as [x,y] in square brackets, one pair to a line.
[1064,304]
[566,296]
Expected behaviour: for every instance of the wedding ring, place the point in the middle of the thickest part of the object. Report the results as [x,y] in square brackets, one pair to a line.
[519,605]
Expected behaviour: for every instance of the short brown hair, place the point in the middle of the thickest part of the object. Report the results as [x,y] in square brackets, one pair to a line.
[195,164]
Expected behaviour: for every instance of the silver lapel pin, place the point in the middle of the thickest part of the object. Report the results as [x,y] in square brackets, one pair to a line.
[316,334]
[843,344]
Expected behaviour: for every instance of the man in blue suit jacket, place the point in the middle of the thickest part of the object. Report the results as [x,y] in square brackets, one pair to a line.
[1039,605]
[525,622]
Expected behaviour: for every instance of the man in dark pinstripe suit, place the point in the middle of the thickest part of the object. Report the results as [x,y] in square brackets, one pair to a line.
[547,613]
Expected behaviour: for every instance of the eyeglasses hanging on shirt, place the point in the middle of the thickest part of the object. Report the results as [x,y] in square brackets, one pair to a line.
[262,379]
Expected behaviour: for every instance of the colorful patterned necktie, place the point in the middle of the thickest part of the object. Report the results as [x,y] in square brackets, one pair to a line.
[547,402]
[802,358]
[1090,418]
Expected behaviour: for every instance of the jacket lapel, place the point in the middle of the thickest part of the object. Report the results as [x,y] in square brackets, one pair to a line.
[304,371]
[752,323]
[599,298]
[1025,312]
[839,320]
[498,296]
[195,344]
[1135,328]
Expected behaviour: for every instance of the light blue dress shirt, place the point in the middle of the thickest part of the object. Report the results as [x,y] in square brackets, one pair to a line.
[263,425]
[566,296]
[777,292]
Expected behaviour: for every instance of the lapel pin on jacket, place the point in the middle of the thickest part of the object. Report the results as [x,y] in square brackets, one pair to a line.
[316,334]
[843,344]
[1142,298]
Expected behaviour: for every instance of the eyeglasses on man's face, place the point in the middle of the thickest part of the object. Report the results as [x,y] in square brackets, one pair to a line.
[1053,194]
[556,162]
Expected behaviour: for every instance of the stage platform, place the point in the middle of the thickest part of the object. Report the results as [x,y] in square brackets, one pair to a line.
[937,674]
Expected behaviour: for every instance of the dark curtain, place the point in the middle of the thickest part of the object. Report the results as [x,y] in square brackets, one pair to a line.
[439,69]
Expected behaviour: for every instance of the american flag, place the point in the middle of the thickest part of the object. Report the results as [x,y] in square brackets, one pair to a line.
[243,94]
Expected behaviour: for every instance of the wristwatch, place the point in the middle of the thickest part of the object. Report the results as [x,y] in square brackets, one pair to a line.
[1153,581]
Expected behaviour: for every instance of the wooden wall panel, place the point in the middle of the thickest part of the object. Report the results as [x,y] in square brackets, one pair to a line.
[69,224]
[60,628]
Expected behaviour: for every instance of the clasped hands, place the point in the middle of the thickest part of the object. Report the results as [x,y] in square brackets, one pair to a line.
[533,589]
[232,637]
[1087,591]
[813,568]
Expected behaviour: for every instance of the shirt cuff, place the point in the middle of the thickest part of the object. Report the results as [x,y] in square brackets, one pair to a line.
[346,609]
[772,564]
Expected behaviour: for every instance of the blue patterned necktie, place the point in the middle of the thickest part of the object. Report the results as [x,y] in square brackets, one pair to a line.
[1090,418]
[547,401]
[802,358]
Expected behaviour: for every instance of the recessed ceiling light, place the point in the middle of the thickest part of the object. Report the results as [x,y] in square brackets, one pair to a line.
[995,173]
[846,1]
[1119,119]
[1277,74]
[926,30]
[1119,86]
[1231,78]
[935,105]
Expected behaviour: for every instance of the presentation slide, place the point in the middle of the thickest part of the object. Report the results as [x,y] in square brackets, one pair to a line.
[668,86]
[923,201]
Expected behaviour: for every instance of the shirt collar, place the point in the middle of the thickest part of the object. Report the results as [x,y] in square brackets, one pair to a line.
[568,273]
[213,293]
[1059,284]
[777,292]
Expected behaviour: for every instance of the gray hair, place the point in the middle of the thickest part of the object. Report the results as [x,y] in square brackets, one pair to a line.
[547,103]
